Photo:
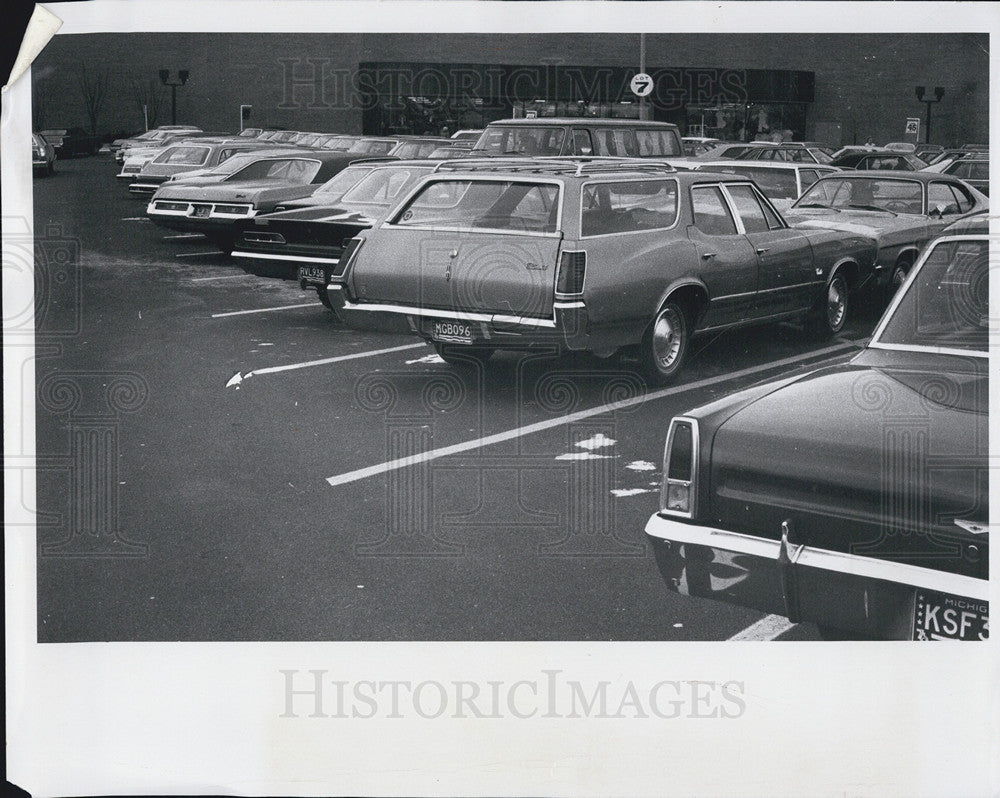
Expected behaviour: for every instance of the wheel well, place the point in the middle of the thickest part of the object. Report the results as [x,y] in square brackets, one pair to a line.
[694,300]
[850,271]
[906,258]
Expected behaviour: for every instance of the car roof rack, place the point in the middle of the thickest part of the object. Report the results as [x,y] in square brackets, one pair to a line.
[557,164]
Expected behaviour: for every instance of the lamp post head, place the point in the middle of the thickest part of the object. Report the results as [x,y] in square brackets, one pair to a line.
[164,76]
[939,92]
[920,93]
[184,73]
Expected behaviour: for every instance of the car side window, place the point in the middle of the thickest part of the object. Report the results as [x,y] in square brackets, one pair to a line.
[941,199]
[748,208]
[963,198]
[628,207]
[710,211]
[808,177]
[582,145]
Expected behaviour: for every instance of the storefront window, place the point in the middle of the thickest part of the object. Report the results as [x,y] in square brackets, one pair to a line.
[748,122]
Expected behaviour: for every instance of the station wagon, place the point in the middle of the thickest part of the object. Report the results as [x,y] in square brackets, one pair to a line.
[596,255]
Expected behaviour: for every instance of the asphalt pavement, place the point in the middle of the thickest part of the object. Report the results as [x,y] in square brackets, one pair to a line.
[219,459]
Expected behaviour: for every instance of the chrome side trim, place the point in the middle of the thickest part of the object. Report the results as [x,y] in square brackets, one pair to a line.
[821,559]
[489,318]
[236,253]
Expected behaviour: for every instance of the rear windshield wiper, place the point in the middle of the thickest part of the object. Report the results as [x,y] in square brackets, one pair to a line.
[818,205]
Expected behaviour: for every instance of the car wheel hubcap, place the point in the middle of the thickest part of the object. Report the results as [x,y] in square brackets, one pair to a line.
[836,303]
[898,278]
[667,335]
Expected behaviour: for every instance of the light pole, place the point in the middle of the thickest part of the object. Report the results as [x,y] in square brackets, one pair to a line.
[182,76]
[938,93]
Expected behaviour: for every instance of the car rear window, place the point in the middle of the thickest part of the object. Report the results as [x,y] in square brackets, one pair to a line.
[628,206]
[384,186]
[484,204]
[192,156]
[775,183]
[624,142]
[528,140]
[299,171]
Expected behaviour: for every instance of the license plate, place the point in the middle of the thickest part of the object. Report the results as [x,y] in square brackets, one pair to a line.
[941,616]
[452,332]
[312,274]
[202,211]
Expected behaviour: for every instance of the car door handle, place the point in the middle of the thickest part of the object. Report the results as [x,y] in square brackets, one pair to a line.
[707,255]
[762,250]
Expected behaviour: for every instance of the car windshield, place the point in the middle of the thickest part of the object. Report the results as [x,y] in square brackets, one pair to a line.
[383,187]
[946,305]
[191,156]
[484,204]
[866,194]
[527,140]
[337,185]
[413,149]
[294,170]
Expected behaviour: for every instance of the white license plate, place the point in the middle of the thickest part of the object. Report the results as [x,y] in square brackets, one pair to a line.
[941,616]
[452,332]
[312,274]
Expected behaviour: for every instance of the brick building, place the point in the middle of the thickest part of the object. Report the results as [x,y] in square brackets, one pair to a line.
[837,88]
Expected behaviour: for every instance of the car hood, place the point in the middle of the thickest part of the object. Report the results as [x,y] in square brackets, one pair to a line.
[887,444]
[884,227]
[233,191]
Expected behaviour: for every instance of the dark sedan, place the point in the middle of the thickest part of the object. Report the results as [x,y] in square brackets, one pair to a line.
[214,208]
[856,496]
[72,141]
[310,234]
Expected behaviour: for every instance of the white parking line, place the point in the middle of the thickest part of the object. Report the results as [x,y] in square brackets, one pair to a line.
[196,254]
[540,426]
[219,277]
[184,235]
[324,361]
[265,310]
[136,219]
[767,628]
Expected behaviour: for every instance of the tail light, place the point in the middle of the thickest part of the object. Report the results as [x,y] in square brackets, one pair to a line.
[347,256]
[572,269]
[680,468]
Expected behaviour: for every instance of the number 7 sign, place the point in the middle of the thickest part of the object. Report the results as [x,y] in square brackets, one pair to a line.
[641,85]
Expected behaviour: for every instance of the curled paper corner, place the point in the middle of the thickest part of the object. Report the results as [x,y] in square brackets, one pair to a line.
[41,27]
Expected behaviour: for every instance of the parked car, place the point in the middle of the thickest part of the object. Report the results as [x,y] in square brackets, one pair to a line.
[214,209]
[309,235]
[150,137]
[732,150]
[372,145]
[457,149]
[72,141]
[925,152]
[579,136]
[697,145]
[901,146]
[180,158]
[866,509]
[592,255]
[230,166]
[467,134]
[43,155]
[902,211]
[973,170]
[879,160]
[781,182]
[792,152]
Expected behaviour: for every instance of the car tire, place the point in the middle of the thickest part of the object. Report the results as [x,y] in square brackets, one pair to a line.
[830,314]
[51,168]
[463,356]
[665,344]
[324,297]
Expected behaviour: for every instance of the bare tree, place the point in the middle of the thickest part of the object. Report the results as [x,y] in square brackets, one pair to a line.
[148,94]
[94,91]
[39,105]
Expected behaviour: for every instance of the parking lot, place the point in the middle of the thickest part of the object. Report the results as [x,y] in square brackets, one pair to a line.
[282,477]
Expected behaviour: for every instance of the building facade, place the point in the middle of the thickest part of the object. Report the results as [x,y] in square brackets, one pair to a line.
[836,88]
